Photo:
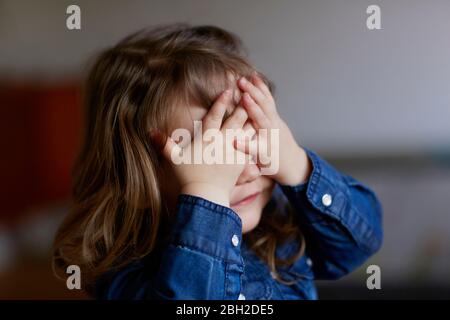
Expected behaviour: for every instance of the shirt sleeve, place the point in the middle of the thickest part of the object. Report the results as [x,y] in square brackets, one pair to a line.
[202,261]
[340,218]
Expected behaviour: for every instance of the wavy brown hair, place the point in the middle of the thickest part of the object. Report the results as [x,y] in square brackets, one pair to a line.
[119,213]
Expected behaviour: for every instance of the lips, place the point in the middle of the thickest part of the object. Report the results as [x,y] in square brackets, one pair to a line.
[247,200]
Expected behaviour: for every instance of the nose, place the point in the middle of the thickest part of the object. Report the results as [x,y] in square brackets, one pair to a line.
[250,173]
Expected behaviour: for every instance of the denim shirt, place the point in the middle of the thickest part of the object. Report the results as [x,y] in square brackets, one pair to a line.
[339,218]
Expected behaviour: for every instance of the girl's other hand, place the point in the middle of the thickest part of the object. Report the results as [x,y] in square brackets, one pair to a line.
[294,165]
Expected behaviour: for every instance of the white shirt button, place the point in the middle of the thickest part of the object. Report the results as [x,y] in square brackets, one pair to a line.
[327,200]
[235,240]
[309,262]
[241,297]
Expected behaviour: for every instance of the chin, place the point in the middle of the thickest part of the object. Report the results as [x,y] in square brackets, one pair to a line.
[251,214]
[249,221]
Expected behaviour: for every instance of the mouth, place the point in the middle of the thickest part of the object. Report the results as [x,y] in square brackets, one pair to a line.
[247,200]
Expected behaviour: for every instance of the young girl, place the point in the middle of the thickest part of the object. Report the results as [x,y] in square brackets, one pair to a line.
[143,227]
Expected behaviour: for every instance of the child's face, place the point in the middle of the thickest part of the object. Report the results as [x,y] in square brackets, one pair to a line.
[252,190]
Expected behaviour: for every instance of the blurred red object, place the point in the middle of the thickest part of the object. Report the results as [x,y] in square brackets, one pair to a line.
[40,132]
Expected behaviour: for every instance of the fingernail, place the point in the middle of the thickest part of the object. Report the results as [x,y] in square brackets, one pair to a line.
[243,80]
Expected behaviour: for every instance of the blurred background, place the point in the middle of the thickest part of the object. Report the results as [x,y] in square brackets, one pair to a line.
[375,103]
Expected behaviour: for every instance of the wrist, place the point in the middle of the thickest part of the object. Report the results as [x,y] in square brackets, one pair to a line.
[298,169]
[208,191]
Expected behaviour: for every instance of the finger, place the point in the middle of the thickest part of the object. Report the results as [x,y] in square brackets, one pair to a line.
[171,149]
[255,112]
[254,92]
[236,120]
[260,84]
[247,146]
[214,117]
[255,149]
[249,130]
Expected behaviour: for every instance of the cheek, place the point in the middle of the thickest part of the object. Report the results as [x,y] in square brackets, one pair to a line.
[251,215]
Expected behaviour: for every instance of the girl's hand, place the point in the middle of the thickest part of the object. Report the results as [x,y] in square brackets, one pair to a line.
[211,181]
[294,165]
